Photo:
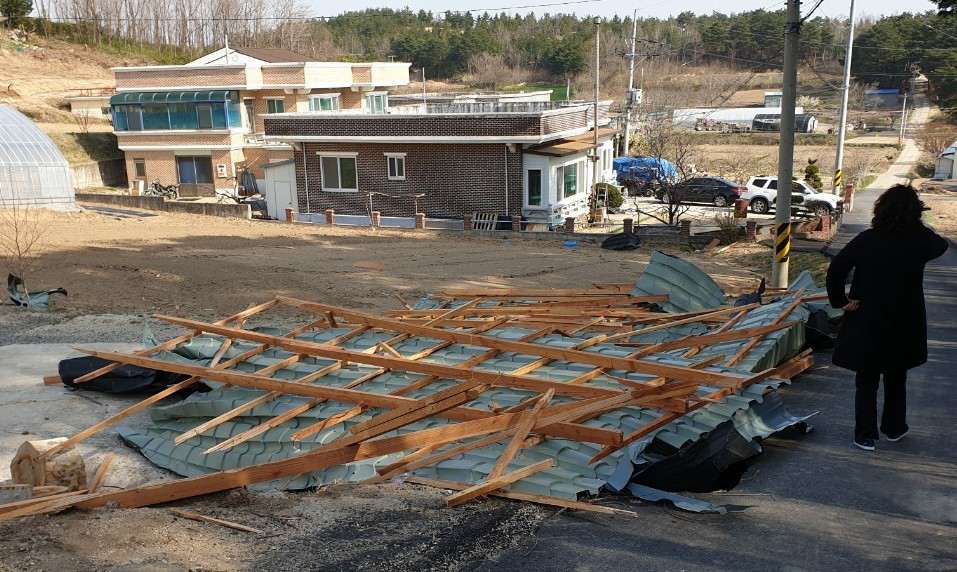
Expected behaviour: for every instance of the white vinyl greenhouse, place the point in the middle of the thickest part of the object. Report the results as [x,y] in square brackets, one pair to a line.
[33,172]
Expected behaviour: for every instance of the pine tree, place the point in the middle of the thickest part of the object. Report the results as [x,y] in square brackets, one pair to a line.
[15,11]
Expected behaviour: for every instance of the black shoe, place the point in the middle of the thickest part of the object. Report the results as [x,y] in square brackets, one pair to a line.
[866,444]
[897,437]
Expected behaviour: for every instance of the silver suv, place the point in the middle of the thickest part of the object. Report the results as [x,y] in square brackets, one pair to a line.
[762,193]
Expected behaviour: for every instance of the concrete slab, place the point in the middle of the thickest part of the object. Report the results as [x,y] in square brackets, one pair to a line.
[31,410]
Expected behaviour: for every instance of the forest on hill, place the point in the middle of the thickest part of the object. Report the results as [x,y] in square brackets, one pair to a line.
[496,49]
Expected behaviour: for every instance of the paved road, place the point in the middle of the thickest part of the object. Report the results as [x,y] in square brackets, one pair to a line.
[815,502]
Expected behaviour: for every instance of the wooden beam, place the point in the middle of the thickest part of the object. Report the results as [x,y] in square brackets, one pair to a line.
[710,339]
[798,300]
[101,472]
[695,318]
[653,368]
[521,432]
[211,520]
[490,485]
[172,343]
[538,499]
[578,432]
[402,364]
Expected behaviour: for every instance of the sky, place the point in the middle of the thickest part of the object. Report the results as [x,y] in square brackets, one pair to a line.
[652,8]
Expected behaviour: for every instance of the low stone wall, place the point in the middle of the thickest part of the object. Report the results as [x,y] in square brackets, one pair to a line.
[222,210]
[110,173]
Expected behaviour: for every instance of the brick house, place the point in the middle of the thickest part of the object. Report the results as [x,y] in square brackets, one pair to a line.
[449,160]
[196,124]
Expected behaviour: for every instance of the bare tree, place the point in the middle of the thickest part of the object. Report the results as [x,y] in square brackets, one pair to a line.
[662,141]
[21,232]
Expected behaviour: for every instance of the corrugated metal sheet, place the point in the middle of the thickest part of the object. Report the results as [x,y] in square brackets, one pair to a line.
[688,288]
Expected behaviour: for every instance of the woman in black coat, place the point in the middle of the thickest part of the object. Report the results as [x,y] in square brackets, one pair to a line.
[885,323]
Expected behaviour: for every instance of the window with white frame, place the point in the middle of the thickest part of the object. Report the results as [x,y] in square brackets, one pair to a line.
[396,166]
[568,179]
[326,102]
[377,102]
[534,187]
[606,159]
[338,172]
[275,106]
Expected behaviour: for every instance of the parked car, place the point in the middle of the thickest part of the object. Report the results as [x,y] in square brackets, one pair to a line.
[714,190]
[762,193]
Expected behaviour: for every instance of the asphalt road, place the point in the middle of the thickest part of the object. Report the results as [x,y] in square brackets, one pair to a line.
[811,503]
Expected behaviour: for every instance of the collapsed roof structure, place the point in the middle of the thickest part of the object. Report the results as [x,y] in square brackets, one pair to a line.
[540,395]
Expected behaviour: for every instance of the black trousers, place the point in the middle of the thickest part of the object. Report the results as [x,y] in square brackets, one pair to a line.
[894,417]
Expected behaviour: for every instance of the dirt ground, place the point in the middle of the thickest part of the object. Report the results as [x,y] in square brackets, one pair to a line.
[133,263]
[397,527]
[738,162]
[942,201]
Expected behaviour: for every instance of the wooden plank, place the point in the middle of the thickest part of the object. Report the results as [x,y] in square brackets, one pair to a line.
[577,356]
[101,472]
[137,407]
[172,343]
[538,499]
[402,364]
[710,339]
[521,432]
[578,432]
[315,460]
[798,300]
[490,485]
[697,317]
[212,520]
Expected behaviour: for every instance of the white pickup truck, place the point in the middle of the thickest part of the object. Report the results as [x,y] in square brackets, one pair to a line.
[762,194]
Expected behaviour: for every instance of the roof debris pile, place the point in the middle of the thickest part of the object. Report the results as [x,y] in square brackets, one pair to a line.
[538,395]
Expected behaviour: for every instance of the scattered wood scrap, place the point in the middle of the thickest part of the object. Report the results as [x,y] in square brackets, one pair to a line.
[594,329]
[212,520]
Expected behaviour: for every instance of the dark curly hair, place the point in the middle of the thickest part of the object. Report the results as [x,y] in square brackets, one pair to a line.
[897,210]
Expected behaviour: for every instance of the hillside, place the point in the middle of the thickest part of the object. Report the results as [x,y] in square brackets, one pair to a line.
[36,74]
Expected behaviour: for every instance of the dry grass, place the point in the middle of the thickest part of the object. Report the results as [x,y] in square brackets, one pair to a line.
[943,211]
[740,161]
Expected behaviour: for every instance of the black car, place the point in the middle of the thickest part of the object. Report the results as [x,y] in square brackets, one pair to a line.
[714,190]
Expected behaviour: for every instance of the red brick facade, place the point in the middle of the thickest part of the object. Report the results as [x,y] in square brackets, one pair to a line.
[457,179]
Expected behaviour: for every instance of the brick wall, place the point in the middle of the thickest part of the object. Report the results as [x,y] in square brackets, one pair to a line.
[456,179]
[160,165]
[192,77]
[283,75]
[361,74]
[257,157]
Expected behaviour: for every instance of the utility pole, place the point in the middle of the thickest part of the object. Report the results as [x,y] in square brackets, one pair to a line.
[630,96]
[423,85]
[226,37]
[900,138]
[596,166]
[838,180]
[782,217]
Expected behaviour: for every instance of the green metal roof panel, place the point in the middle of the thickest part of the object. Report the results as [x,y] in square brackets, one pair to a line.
[687,286]
[134,97]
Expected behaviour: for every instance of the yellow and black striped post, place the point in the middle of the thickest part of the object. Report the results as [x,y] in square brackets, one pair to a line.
[838,181]
[782,243]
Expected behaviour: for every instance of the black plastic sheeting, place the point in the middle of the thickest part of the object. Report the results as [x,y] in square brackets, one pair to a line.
[124,379]
[716,461]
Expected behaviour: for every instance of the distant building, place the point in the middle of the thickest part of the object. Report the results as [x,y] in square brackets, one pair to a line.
[530,159]
[92,106]
[741,117]
[946,166]
[887,98]
[773,98]
[200,123]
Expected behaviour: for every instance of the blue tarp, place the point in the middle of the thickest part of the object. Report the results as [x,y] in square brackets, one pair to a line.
[644,169]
